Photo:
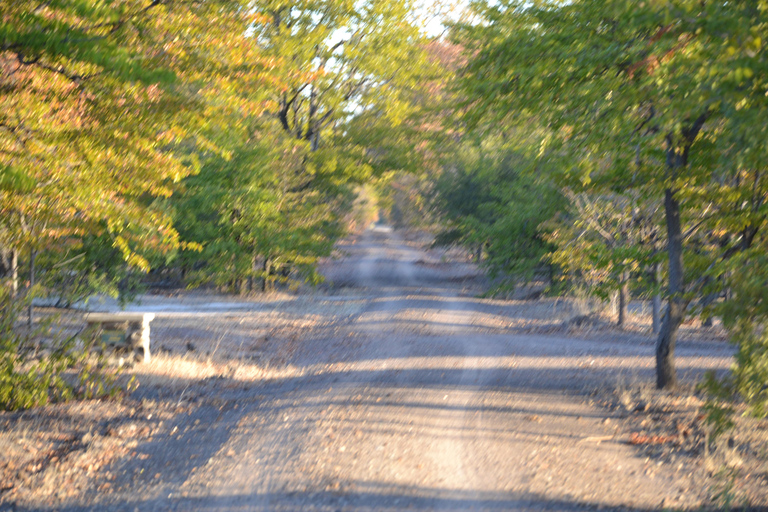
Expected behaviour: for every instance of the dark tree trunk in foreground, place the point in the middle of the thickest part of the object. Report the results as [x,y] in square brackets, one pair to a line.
[666,376]
[656,301]
[677,160]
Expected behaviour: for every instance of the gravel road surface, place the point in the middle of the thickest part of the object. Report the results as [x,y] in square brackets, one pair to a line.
[417,398]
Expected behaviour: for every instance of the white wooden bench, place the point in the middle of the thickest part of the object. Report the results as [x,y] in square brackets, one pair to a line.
[123,332]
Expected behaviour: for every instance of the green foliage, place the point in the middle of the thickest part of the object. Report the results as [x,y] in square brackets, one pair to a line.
[273,203]
[78,268]
[101,104]
[649,100]
[746,318]
[13,179]
[718,408]
[24,383]
[602,241]
[403,199]
[38,366]
[484,195]
[750,372]
[341,59]
[277,201]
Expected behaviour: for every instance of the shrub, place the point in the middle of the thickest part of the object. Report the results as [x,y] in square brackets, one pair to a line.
[41,365]
[745,316]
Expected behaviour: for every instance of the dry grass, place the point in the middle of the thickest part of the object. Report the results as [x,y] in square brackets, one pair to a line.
[671,428]
[49,455]
[57,451]
[175,372]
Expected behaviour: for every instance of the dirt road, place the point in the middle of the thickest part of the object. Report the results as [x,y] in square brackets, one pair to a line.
[417,397]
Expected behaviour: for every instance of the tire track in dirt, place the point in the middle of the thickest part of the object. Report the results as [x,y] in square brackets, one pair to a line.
[444,418]
[430,411]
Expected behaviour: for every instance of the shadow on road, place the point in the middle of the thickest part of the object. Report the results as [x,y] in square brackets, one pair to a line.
[371,497]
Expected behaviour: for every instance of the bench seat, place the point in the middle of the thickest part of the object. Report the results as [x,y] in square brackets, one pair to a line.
[123,332]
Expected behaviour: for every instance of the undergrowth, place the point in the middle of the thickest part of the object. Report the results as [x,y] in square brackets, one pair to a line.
[42,365]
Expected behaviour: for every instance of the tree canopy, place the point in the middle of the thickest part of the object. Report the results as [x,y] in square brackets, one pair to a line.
[110,108]
[650,100]
[614,142]
[99,102]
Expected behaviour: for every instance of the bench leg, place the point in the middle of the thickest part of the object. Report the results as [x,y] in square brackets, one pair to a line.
[139,341]
[142,351]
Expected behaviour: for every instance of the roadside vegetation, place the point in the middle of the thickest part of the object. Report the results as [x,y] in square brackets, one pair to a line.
[638,126]
[598,148]
[182,144]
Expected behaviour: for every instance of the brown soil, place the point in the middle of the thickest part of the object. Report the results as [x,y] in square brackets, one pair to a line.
[391,388]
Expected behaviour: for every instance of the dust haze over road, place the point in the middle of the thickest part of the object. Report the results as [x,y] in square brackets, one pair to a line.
[421,399]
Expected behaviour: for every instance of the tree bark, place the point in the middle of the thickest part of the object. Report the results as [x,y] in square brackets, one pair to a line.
[32,256]
[623,301]
[252,277]
[656,305]
[14,273]
[265,284]
[666,376]
[677,160]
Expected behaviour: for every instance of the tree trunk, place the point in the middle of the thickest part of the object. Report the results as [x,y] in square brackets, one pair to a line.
[14,273]
[623,301]
[32,255]
[677,159]
[265,284]
[315,141]
[666,376]
[252,277]
[708,299]
[656,314]
[5,266]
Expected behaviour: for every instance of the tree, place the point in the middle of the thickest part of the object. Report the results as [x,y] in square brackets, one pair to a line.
[253,217]
[348,73]
[100,104]
[483,196]
[341,59]
[607,242]
[104,108]
[632,95]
